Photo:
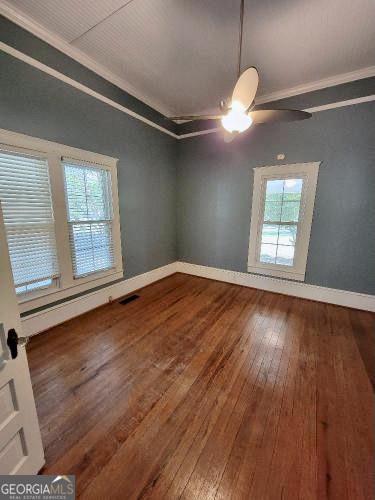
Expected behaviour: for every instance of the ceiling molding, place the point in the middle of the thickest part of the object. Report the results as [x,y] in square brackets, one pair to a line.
[318,85]
[16,16]
[200,132]
[315,109]
[306,88]
[83,88]
[59,43]
[341,104]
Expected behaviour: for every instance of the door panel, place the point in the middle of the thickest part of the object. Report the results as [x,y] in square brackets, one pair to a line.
[13,455]
[21,450]
[7,402]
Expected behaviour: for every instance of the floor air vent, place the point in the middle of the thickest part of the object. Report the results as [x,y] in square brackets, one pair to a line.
[128,299]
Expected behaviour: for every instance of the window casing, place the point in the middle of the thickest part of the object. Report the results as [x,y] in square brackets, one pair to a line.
[282,211]
[108,264]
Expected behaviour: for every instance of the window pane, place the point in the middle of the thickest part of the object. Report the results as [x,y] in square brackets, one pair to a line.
[87,193]
[270,233]
[33,286]
[274,190]
[268,253]
[272,211]
[92,245]
[292,189]
[290,211]
[285,255]
[287,235]
[282,204]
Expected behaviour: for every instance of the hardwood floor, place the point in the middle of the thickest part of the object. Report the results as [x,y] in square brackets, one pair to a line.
[202,390]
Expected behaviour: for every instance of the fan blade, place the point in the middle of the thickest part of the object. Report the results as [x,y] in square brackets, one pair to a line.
[246,87]
[196,117]
[278,115]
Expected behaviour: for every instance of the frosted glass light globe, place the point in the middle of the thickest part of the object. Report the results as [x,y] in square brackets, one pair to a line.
[236,120]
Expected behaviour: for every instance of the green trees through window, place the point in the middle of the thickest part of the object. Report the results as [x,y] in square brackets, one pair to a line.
[280,221]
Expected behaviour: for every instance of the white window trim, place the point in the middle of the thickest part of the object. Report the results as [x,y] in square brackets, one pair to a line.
[309,171]
[68,285]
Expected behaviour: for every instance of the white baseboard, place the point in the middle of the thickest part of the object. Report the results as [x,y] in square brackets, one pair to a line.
[296,289]
[42,320]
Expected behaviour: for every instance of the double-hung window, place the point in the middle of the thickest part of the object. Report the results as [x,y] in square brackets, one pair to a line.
[89,206]
[61,214]
[281,218]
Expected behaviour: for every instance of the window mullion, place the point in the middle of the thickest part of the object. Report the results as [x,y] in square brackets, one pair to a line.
[280,223]
[61,220]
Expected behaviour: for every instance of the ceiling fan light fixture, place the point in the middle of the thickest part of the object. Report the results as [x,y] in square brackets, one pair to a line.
[236,120]
[237,117]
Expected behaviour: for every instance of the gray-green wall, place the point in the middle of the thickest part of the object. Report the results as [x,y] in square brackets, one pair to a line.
[39,105]
[191,199]
[215,193]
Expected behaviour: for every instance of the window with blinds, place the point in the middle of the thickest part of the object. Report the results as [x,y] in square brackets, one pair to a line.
[27,208]
[90,217]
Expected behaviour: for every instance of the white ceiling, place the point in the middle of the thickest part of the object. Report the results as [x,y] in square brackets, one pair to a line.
[181,55]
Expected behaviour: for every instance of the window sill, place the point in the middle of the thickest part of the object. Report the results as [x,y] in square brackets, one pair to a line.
[277,273]
[55,294]
[38,293]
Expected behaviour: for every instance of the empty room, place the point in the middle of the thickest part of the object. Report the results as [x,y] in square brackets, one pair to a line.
[187,249]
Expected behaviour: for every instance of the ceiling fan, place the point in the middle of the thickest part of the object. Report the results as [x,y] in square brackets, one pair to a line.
[239,114]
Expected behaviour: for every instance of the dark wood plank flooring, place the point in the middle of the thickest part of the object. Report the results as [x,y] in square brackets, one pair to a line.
[202,390]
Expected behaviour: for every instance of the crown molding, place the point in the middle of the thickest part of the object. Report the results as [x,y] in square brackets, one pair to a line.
[306,87]
[83,88]
[315,109]
[318,85]
[59,43]
[341,104]
[200,132]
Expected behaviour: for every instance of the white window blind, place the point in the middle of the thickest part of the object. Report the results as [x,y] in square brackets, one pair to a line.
[27,208]
[90,217]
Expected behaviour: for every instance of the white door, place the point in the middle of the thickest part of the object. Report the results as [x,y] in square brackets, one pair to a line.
[21,449]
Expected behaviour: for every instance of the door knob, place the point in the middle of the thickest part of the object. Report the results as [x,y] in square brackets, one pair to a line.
[14,341]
